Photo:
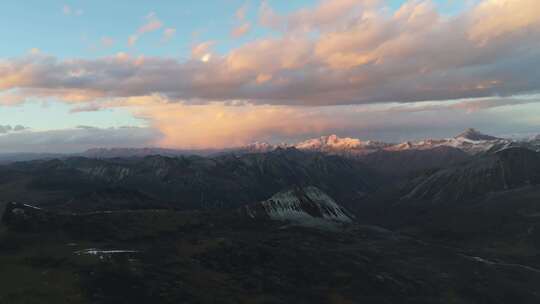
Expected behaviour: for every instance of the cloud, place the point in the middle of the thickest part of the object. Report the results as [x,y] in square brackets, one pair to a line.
[77,139]
[4,129]
[92,107]
[107,42]
[234,123]
[468,106]
[202,51]
[241,30]
[132,40]
[153,23]
[327,14]
[70,11]
[168,34]
[244,27]
[11,98]
[351,67]
[494,18]
[241,12]
[35,51]
[336,53]
[219,124]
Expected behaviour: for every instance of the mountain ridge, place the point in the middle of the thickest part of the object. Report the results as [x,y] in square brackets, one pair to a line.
[471,141]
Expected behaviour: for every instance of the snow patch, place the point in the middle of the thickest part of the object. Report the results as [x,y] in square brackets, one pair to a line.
[95,251]
[306,205]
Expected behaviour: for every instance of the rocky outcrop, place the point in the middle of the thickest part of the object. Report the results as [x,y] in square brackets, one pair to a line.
[305,206]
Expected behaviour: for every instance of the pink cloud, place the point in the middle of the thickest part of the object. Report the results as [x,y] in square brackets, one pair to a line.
[241,30]
[169,34]
[152,24]
[360,54]
[107,42]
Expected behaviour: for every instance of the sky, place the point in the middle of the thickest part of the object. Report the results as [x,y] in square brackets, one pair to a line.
[212,74]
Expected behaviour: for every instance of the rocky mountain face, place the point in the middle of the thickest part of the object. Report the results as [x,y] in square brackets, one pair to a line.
[226,181]
[503,170]
[407,163]
[488,202]
[304,206]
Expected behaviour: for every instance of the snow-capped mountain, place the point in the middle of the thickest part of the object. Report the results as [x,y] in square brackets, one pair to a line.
[470,141]
[533,143]
[331,144]
[306,206]
[335,144]
[332,141]
[474,135]
[261,147]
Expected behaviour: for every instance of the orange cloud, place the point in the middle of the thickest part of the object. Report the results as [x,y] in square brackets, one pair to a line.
[218,125]
[495,18]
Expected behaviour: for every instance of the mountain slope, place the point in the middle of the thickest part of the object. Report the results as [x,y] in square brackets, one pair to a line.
[475,135]
[396,165]
[306,206]
[503,170]
[227,181]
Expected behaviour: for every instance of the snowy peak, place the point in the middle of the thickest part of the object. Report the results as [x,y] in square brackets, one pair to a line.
[475,135]
[304,206]
[331,141]
[470,141]
[341,145]
[535,138]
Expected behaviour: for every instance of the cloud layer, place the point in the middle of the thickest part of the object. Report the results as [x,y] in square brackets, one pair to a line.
[218,125]
[77,140]
[340,52]
[8,128]
[354,67]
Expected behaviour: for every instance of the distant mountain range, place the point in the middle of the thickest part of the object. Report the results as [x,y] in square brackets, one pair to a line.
[470,141]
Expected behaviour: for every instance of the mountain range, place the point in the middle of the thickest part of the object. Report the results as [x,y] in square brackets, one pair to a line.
[470,141]
[330,220]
